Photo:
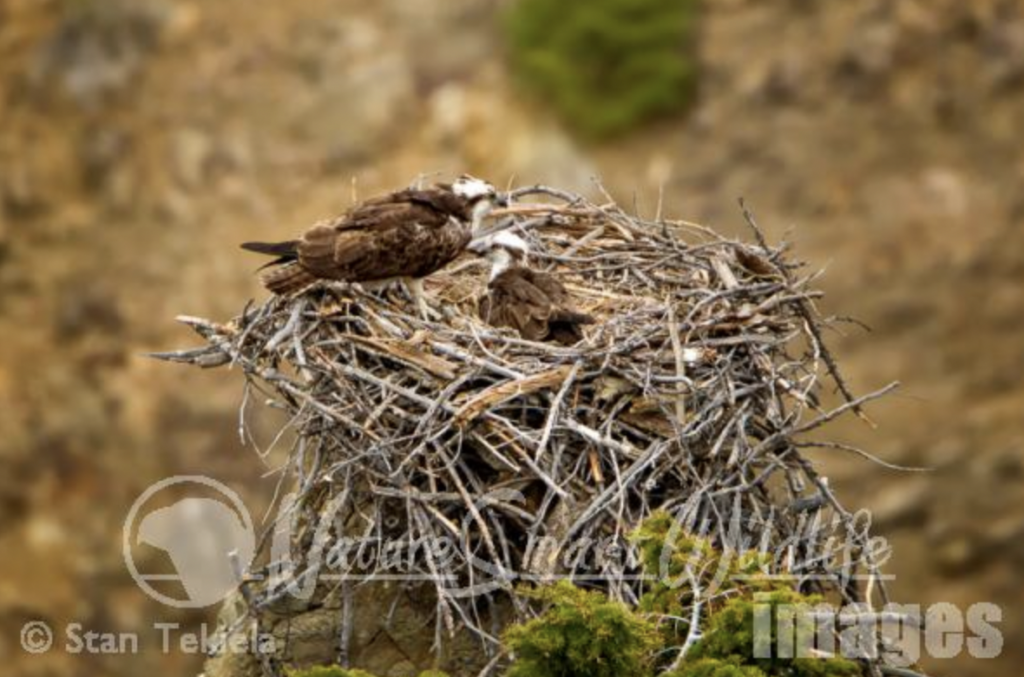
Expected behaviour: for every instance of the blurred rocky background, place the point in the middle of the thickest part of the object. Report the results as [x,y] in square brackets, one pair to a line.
[141,140]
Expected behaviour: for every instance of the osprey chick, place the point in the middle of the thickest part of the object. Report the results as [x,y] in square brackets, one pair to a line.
[405,235]
[532,302]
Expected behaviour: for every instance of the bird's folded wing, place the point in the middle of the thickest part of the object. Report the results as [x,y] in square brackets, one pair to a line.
[549,285]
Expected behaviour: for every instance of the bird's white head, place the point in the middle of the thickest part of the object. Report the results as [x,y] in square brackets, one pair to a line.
[472,188]
[481,195]
[502,249]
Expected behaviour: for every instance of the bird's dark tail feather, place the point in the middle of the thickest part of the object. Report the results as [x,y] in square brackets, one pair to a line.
[285,251]
[571,317]
[286,248]
[287,278]
[564,326]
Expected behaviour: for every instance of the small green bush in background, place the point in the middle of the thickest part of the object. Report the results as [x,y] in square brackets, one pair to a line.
[606,65]
[582,634]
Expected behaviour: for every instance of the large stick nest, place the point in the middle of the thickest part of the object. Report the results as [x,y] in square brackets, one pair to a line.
[692,393]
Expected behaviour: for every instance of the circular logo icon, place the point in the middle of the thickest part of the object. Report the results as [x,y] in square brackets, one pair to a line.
[202,529]
[36,637]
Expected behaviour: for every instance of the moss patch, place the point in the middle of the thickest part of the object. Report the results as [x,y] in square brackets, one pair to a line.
[606,65]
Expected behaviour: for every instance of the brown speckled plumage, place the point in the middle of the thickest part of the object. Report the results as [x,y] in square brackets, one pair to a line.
[409,234]
[533,303]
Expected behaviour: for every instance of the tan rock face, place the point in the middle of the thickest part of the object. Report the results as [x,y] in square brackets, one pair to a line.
[886,134]
[392,634]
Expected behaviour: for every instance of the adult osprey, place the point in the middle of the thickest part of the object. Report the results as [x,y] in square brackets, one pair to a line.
[405,235]
[532,302]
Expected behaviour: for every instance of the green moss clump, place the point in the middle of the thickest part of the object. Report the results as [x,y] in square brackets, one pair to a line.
[606,65]
[678,560]
[581,634]
[713,667]
[732,585]
[728,641]
[329,671]
[338,671]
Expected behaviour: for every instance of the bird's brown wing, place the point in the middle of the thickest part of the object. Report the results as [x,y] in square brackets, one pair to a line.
[429,207]
[550,286]
[514,301]
[563,310]
[409,233]
[534,303]
[439,201]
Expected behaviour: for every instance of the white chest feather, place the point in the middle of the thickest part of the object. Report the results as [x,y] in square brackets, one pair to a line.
[500,262]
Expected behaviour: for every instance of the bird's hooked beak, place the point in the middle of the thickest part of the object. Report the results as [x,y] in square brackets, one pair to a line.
[496,200]
[483,208]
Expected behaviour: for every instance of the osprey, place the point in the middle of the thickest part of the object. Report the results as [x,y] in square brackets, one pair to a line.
[532,302]
[406,235]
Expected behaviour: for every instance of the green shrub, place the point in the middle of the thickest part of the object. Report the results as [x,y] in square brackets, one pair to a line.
[581,634]
[729,639]
[713,667]
[606,65]
[338,671]
[329,671]
[677,560]
[731,588]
